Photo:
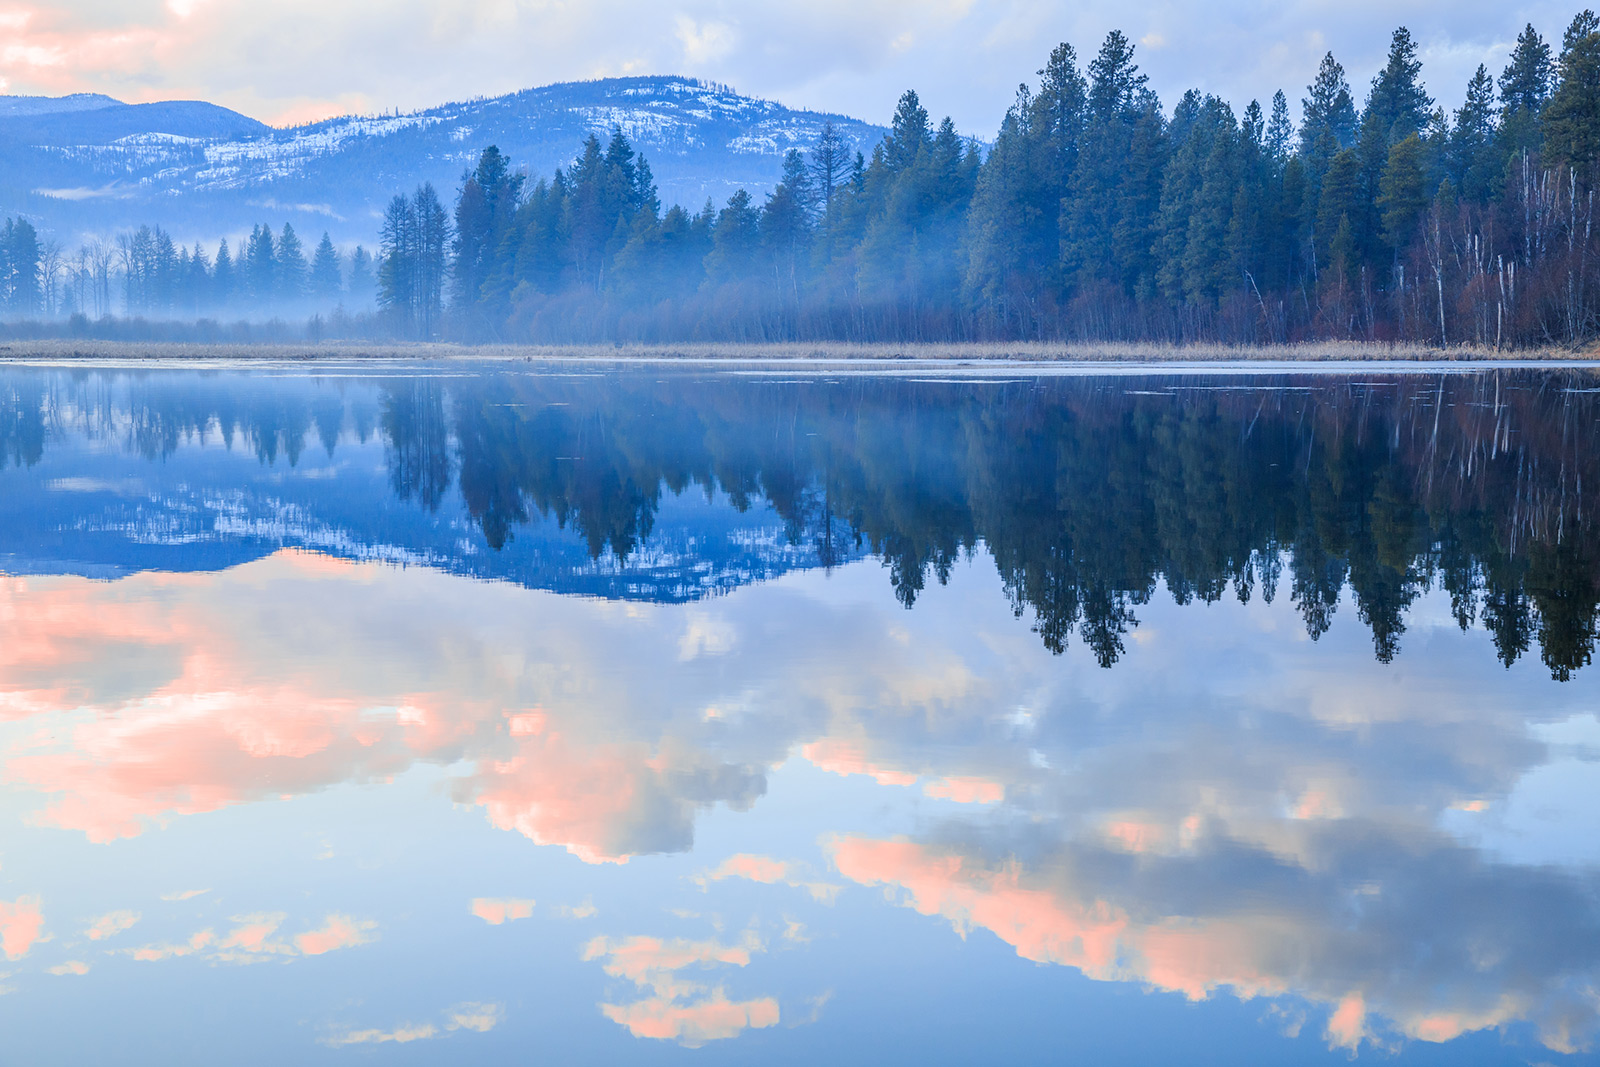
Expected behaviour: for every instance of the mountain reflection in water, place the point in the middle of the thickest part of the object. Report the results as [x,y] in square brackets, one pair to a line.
[1281,694]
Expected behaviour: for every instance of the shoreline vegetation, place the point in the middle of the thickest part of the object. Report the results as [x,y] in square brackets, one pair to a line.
[1040,352]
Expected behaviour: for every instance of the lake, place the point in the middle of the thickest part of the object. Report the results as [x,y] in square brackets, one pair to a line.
[665,713]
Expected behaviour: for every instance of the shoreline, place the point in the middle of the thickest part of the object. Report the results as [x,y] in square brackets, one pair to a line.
[788,351]
[952,354]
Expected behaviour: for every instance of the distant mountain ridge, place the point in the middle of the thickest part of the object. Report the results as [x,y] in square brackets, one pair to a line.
[92,164]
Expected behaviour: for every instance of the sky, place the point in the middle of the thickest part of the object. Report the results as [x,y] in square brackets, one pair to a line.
[302,60]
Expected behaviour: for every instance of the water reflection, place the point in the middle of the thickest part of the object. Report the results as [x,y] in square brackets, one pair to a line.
[1087,492]
[1251,803]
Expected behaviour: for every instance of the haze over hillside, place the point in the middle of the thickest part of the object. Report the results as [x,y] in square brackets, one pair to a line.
[85,164]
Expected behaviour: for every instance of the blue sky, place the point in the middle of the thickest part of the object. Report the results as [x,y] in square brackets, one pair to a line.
[296,60]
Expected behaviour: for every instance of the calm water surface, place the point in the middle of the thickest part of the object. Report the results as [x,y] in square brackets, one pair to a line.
[433,714]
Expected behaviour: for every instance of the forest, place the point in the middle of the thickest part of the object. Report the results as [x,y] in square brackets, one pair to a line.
[1095,214]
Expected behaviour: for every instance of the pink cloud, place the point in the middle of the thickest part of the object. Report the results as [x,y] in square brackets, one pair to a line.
[647,960]
[338,931]
[111,924]
[767,871]
[752,868]
[498,910]
[1254,952]
[217,722]
[847,758]
[966,790]
[712,1018]
[679,1008]
[21,924]
[252,937]
[154,953]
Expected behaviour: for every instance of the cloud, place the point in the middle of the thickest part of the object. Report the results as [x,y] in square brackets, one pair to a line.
[586,910]
[336,932]
[767,871]
[110,924]
[400,1035]
[497,910]
[712,1017]
[680,1009]
[472,1017]
[1429,966]
[846,758]
[155,953]
[252,938]
[21,924]
[72,967]
[187,894]
[966,790]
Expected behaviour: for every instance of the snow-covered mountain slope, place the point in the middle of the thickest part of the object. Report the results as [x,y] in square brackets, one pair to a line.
[91,170]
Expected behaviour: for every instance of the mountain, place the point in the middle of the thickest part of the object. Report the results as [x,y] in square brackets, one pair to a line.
[202,171]
[54,105]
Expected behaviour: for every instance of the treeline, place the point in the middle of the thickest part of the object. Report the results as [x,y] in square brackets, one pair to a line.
[145,274]
[1096,215]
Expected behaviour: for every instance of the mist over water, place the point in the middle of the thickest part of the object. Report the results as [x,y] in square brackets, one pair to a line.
[797,715]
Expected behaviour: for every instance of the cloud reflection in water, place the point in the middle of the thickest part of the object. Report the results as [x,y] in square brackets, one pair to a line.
[1266,822]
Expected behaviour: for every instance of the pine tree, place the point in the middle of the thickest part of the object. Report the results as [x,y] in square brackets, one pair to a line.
[1108,217]
[224,282]
[261,267]
[326,280]
[1397,107]
[361,282]
[1279,135]
[19,268]
[908,133]
[1570,122]
[1475,165]
[486,206]
[1524,91]
[1404,192]
[399,245]
[433,258]
[830,163]
[1329,110]
[735,240]
[293,271]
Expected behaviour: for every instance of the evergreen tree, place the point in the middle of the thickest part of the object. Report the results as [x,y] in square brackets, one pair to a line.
[224,282]
[1475,165]
[1570,122]
[20,291]
[1524,90]
[1328,111]
[293,271]
[398,262]
[1108,218]
[830,164]
[326,279]
[261,267]
[433,254]
[1397,107]
[1403,192]
[362,282]
[485,208]
[1279,136]
[735,240]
